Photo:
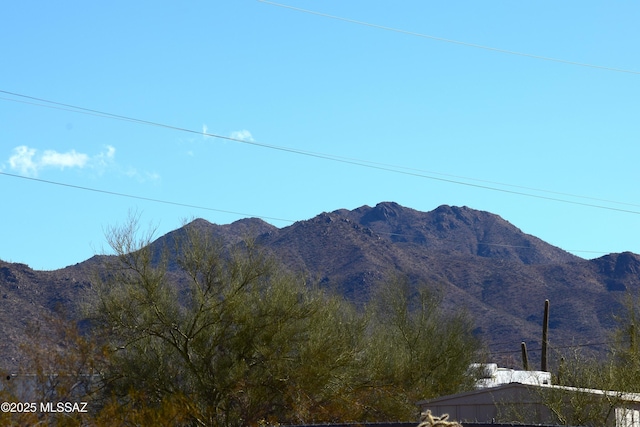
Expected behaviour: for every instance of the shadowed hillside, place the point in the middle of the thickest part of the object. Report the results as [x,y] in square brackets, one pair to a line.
[476,260]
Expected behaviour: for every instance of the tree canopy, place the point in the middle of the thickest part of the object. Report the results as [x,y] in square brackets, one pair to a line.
[210,334]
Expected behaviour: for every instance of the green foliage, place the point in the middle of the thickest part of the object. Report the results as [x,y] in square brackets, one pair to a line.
[240,340]
[625,358]
[416,352]
[617,374]
[63,366]
[224,336]
[575,404]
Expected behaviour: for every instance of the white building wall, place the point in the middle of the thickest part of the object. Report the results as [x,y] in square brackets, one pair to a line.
[626,417]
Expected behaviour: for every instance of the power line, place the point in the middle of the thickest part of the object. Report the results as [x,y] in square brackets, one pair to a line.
[168,202]
[149,199]
[558,347]
[345,160]
[441,39]
[593,344]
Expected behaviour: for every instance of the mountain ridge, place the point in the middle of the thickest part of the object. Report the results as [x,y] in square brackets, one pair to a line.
[476,260]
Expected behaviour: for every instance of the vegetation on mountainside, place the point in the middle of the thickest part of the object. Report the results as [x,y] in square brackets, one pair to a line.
[223,336]
[216,335]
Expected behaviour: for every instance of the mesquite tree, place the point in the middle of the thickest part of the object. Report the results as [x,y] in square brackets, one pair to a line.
[223,333]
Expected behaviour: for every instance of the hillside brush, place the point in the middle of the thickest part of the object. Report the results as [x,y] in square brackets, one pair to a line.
[428,420]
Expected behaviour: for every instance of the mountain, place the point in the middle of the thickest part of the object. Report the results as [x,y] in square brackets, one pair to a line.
[476,260]
[27,297]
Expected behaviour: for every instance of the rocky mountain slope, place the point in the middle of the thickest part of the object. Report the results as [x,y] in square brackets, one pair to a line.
[476,260]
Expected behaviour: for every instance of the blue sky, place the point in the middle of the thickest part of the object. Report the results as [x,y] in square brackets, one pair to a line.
[550,146]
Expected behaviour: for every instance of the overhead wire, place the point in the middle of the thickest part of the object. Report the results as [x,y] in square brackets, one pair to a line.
[345,160]
[558,347]
[244,214]
[477,46]
[358,162]
[445,40]
[41,102]
[149,199]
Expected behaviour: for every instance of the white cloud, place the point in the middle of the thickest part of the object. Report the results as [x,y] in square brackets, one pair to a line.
[243,135]
[111,151]
[30,162]
[22,161]
[70,159]
[141,176]
[104,158]
[152,176]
